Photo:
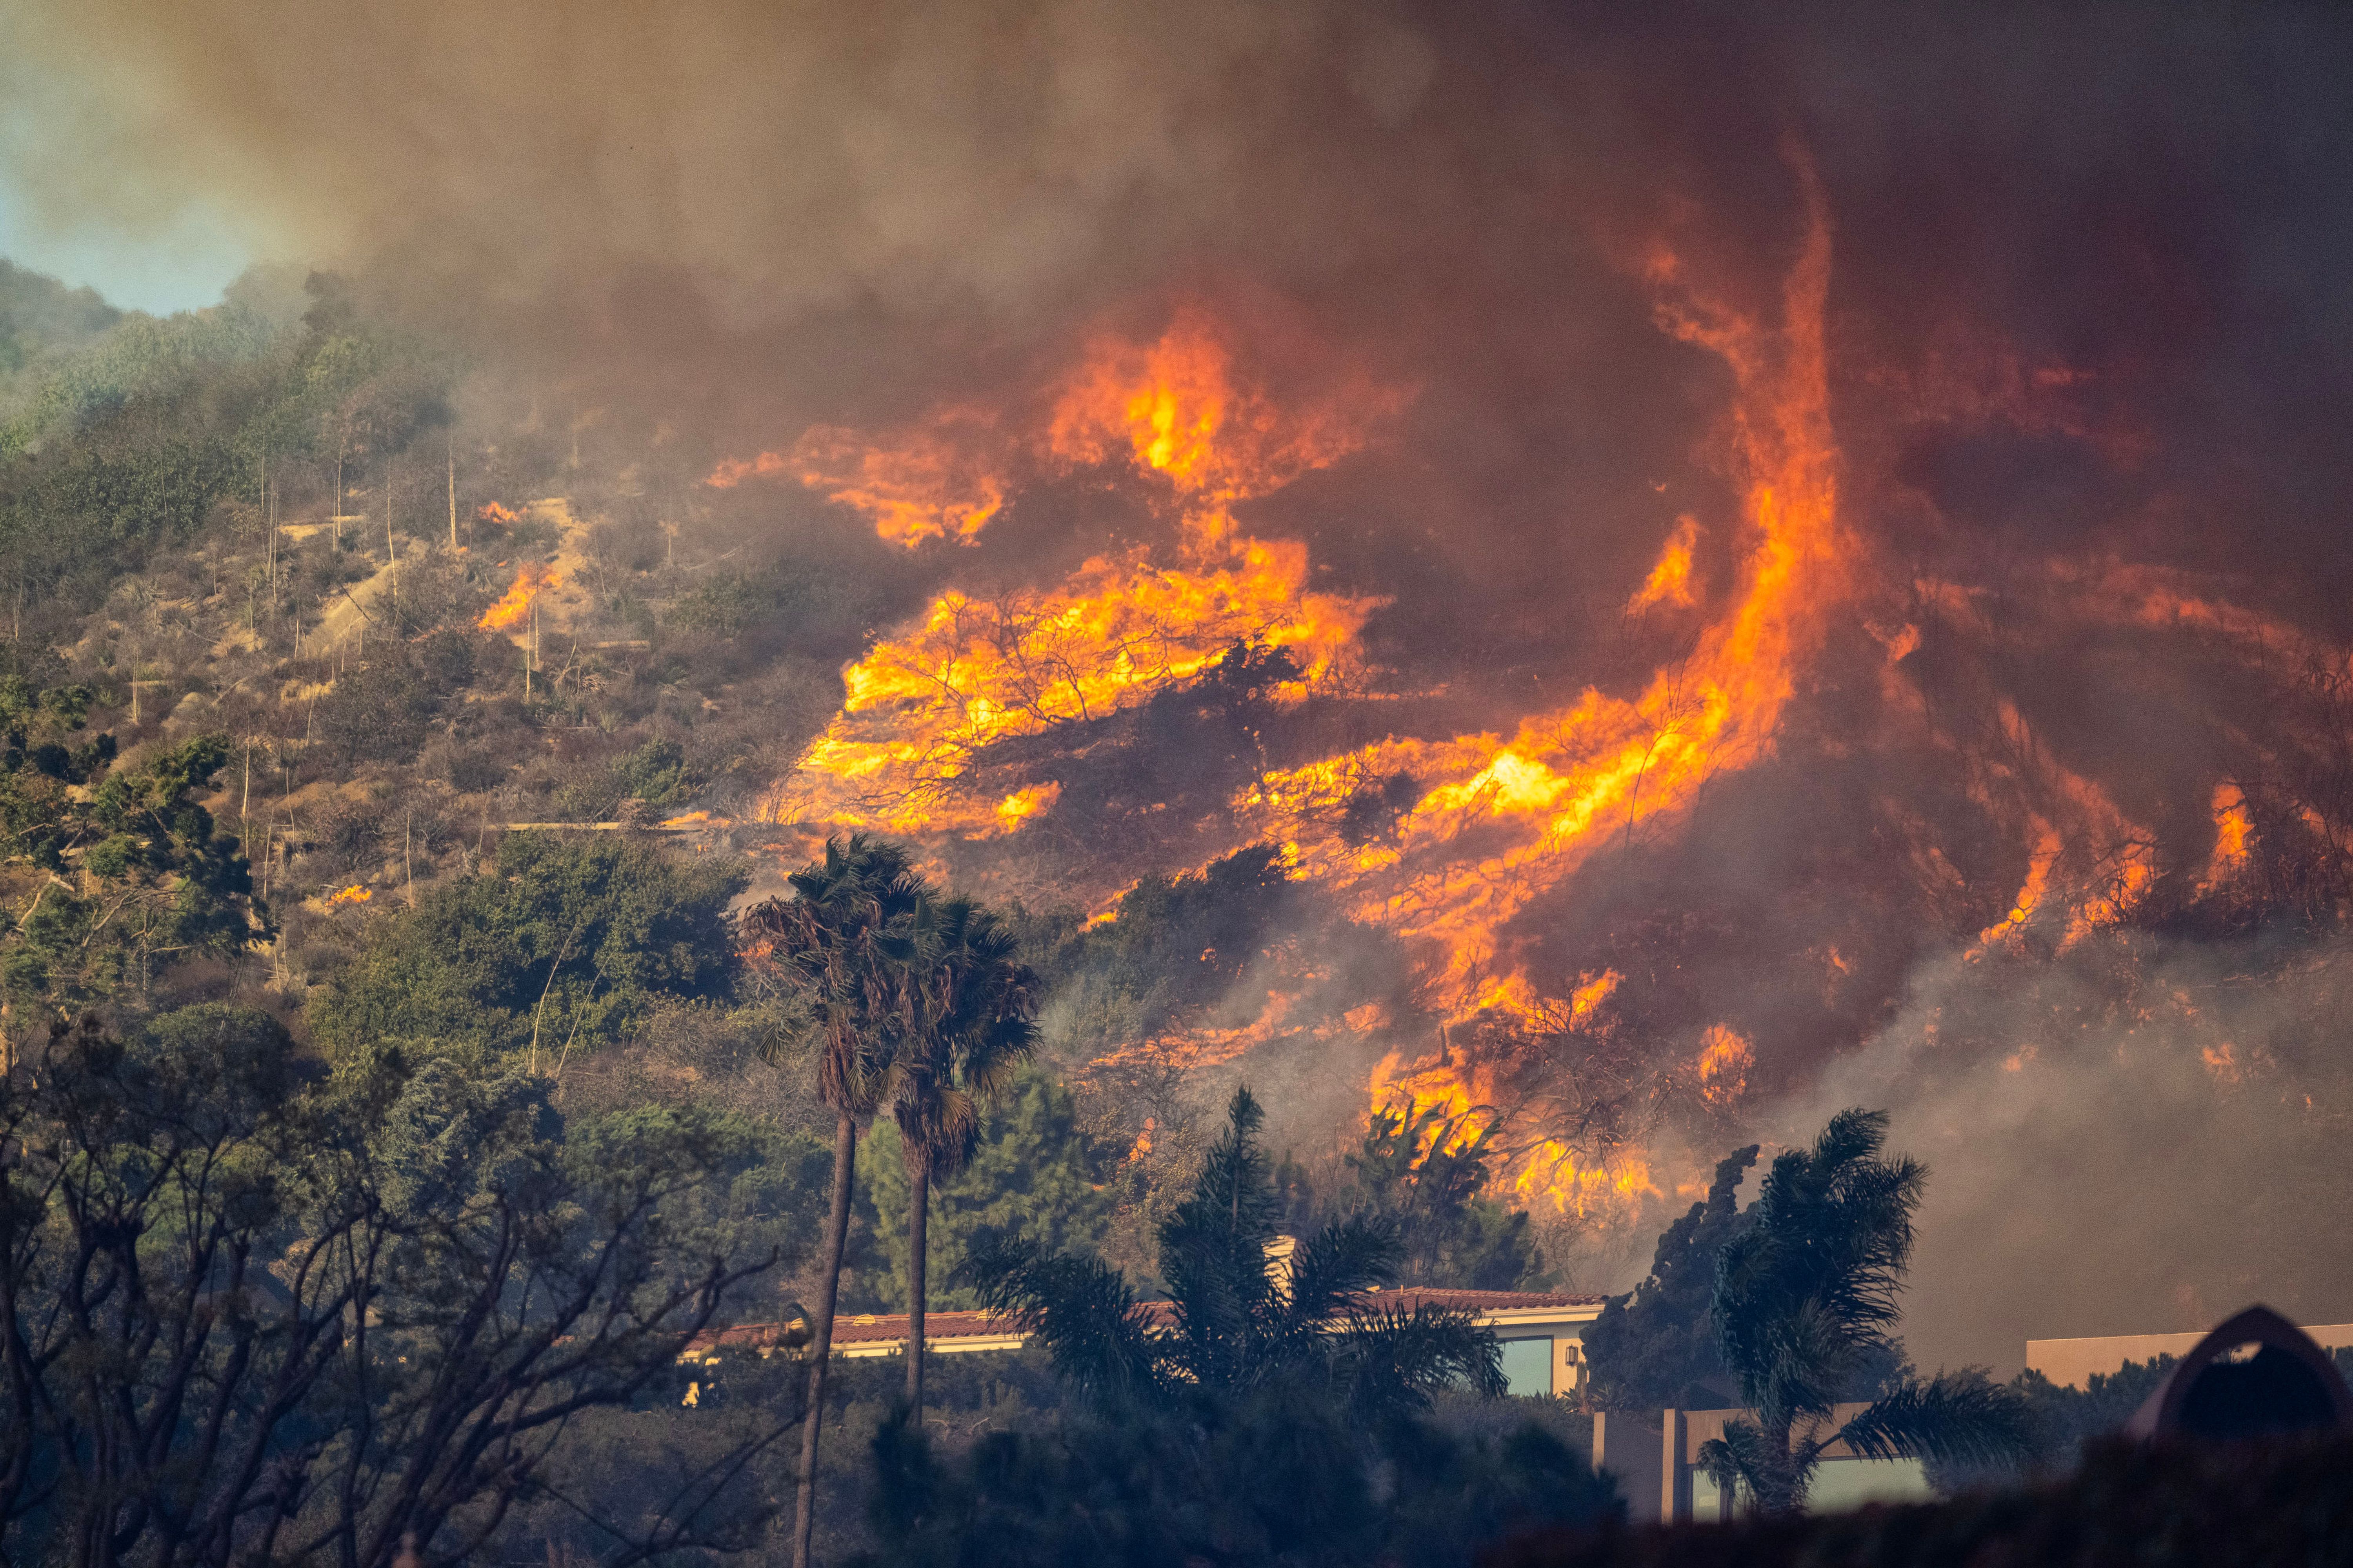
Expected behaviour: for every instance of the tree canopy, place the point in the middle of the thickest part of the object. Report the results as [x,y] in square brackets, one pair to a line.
[1423,1176]
[561,946]
[1033,1179]
[1804,1299]
[1655,1347]
[1231,1327]
[111,871]
[256,1313]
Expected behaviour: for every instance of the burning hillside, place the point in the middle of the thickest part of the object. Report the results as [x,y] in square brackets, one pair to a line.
[1532,874]
[1635,567]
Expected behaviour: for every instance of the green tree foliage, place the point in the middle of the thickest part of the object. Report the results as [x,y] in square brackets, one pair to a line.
[1655,1348]
[1232,1328]
[1423,1177]
[655,772]
[40,316]
[723,606]
[1805,1296]
[1278,1481]
[559,949]
[256,1314]
[112,874]
[1176,946]
[1250,1420]
[125,442]
[825,604]
[970,1000]
[833,942]
[1033,1178]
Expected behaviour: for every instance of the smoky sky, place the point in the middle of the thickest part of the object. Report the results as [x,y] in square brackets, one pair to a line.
[833,207]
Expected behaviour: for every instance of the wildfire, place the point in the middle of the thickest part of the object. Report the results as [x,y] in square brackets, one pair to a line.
[1490,821]
[532,581]
[354,894]
[922,707]
[1670,582]
[492,512]
[1725,1059]
[1462,1091]
[1175,408]
[930,483]
[1023,804]
[1538,804]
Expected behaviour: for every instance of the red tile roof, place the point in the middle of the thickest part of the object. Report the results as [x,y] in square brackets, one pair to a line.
[871,1328]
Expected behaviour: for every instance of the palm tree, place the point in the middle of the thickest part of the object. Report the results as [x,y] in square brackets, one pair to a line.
[838,937]
[1232,1328]
[973,1000]
[1805,1296]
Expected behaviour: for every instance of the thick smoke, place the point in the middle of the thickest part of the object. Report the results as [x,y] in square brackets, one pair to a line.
[791,157]
[2140,1138]
[2087,305]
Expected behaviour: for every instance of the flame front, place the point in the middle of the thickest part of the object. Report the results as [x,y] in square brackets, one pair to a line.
[934,481]
[1502,821]
[1493,820]
[922,707]
[532,581]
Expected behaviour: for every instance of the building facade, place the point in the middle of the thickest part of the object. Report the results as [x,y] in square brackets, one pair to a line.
[1542,1333]
[1654,1457]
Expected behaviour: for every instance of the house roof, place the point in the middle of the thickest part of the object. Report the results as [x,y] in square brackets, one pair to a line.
[970,1330]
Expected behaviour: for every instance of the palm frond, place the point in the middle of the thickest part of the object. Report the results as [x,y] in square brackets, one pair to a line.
[1080,1311]
[1395,1360]
[1213,1252]
[1810,1288]
[968,1007]
[1741,1457]
[1963,1416]
[831,940]
[1329,1268]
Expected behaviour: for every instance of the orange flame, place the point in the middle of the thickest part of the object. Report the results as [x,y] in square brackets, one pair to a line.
[921,706]
[529,584]
[1587,775]
[1670,582]
[2232,831]
[1176,410]
[931,483]
[354,894]
[1725,1059]
[1023,804]
[1499,818]
[492,512]
[1463,1094]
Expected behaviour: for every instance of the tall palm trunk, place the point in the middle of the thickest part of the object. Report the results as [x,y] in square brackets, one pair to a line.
[1776,1489]
[837,1240]
[919,1214]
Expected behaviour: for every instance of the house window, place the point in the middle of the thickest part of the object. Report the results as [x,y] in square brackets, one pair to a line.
[1528,1365]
